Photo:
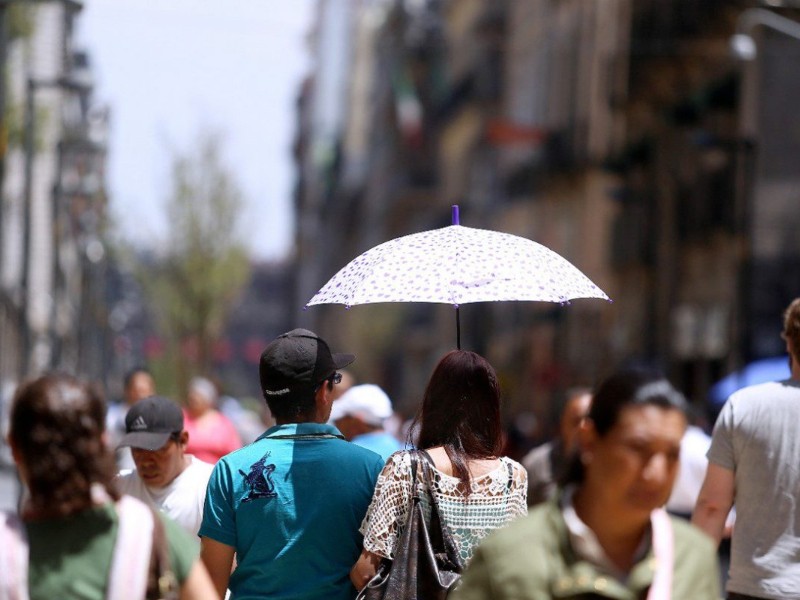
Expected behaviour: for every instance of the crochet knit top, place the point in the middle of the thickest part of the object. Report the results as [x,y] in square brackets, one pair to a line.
[496,498]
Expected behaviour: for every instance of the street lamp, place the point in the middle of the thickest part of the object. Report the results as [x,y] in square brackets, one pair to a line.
[742,43]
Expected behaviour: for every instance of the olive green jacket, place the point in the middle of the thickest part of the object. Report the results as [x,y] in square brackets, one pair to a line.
[532,559]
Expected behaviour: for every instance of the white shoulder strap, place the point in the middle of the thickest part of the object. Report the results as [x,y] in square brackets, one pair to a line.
[664,550]
[13,558]
[130,564]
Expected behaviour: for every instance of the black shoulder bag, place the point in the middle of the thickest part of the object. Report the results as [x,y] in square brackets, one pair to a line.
[426,565]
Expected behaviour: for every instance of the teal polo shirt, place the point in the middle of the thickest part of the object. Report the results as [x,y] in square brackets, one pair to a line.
[291,504]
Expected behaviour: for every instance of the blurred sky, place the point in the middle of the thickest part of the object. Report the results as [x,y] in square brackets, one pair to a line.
[169,69]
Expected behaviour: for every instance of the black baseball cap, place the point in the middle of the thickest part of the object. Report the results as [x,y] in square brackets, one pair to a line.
[150,423]
[296,360]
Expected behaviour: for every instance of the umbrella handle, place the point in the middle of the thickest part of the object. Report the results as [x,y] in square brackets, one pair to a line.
[454,215]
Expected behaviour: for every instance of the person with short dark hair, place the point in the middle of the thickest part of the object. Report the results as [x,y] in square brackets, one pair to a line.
[476,490]
[81,540]
[752,466]
[606,535]
[545,463]
[165,477]
[137,384]
[289,504]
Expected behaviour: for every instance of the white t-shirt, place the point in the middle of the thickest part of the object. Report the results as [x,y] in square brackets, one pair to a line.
[757,438]
[692,471]
[182,500]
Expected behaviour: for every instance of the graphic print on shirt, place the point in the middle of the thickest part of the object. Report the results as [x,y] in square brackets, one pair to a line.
[259,479]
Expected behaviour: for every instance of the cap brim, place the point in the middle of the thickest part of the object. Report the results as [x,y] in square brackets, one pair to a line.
[145,440]
[342,360]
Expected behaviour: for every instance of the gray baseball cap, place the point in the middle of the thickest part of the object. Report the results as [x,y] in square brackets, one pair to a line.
[150,423]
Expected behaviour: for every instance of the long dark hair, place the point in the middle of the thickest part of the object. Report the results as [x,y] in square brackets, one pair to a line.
[57,425]
[627,387]
[461,411]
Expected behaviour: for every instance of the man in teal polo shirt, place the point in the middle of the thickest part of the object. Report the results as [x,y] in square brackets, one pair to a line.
[289,505]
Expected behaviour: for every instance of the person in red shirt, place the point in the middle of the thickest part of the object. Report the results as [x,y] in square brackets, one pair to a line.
[211,434]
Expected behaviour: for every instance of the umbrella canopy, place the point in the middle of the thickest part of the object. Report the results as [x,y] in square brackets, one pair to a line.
[758,371]
[457,265]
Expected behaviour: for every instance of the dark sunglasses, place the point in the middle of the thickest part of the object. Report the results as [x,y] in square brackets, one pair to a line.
[334,379]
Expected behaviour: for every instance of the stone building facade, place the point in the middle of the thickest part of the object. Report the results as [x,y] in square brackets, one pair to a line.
[609,131]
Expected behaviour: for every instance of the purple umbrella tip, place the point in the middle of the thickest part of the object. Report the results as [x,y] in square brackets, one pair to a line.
[455,305]
[305,307]
[455,219]
[347,307]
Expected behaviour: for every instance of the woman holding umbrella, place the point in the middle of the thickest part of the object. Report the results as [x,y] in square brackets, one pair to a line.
[607,535]
[475,489]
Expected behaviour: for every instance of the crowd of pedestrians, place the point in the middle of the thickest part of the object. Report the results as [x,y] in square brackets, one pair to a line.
[324,503]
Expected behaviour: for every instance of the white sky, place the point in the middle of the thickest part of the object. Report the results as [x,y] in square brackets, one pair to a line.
[168,70]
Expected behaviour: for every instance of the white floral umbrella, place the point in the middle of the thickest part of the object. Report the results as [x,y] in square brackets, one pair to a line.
[457,265]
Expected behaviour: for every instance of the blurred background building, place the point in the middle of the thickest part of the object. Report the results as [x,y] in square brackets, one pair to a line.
[53,260]
[623,134]
[614,132]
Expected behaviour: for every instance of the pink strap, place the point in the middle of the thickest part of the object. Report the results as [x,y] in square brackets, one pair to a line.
[130,564]
[13,558]
[664,550]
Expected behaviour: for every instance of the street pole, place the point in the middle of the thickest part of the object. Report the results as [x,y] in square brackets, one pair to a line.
[27,200]
[3,124]
[744,48]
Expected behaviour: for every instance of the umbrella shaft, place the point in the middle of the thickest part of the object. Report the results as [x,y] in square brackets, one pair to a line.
[458,327]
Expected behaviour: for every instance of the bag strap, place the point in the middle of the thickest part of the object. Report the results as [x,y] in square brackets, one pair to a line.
[427,463]
[162,581]
[415,493]
[130,562]
[663,550]
[437,522]
[13,558]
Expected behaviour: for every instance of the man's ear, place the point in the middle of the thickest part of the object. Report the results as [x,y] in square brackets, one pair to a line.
[183,440]
[324,400]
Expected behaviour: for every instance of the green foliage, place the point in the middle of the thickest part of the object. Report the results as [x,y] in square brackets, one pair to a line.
[205,267]
[20,21]
[19,25]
